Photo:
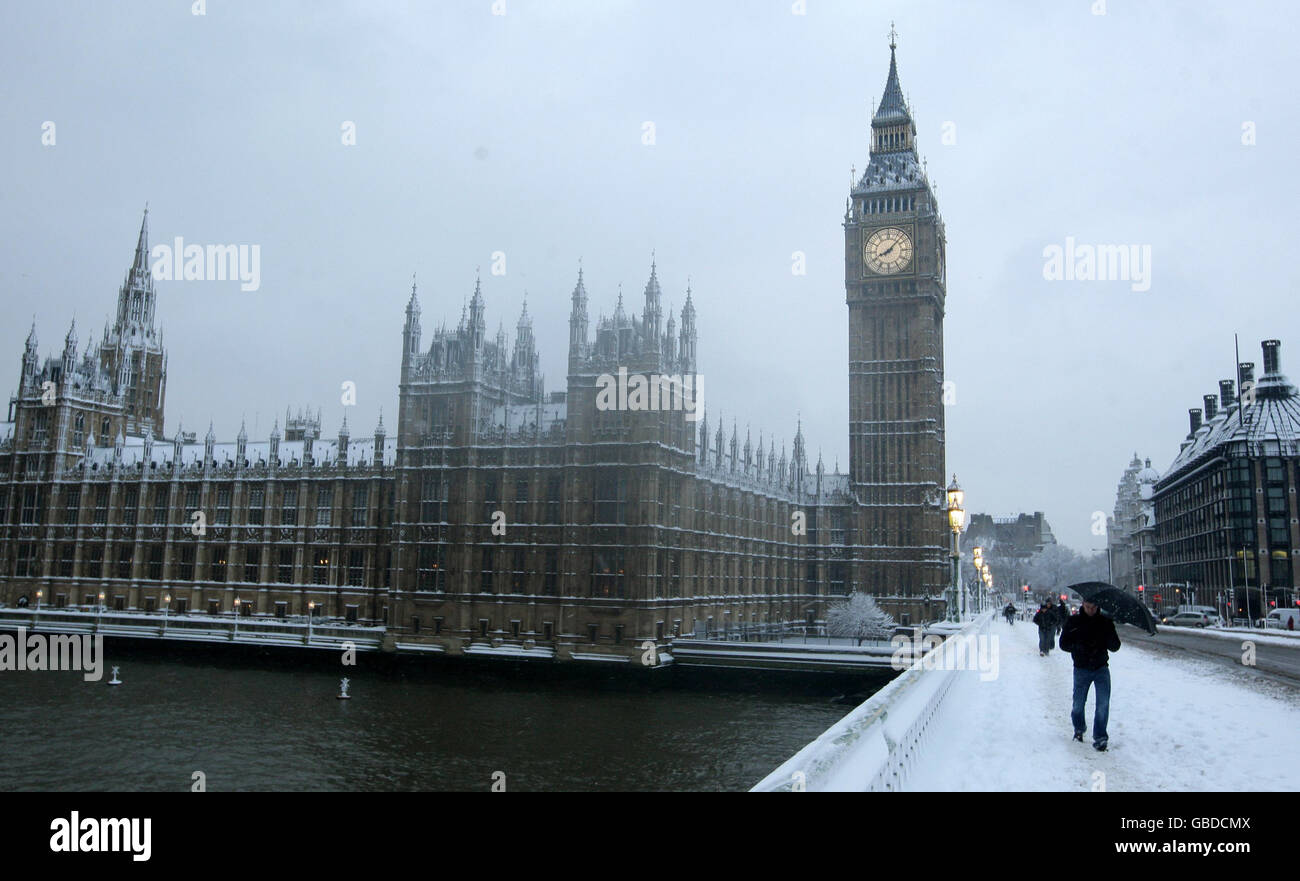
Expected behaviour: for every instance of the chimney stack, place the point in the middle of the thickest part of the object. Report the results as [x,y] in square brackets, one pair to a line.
[1211,406]
[1226,396]
[1271,363]
[1195,414]
[1247,370]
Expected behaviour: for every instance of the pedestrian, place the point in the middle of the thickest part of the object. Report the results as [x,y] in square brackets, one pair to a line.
[1062,615]
[1010,613]
[1088,636]
[1045,618]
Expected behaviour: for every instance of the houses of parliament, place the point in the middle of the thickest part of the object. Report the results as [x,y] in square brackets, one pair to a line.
[493,516]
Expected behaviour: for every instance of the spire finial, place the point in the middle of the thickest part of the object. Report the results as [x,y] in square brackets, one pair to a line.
[893,37]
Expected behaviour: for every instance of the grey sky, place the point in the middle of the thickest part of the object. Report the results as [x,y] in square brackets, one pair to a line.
[522,133]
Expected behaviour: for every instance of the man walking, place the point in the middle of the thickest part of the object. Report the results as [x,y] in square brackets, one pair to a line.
[1088,636]
[1045,618]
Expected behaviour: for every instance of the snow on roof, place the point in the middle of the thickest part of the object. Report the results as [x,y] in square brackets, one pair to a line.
[324,453]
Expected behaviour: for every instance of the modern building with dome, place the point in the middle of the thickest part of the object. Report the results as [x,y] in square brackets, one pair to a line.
[1227,528]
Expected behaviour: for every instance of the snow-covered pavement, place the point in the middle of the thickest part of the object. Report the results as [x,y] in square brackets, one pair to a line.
[1175,726]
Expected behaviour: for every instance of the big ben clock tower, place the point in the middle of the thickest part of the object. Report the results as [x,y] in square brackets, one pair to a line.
[895,285]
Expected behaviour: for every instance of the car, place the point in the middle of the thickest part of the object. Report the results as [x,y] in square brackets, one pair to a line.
[1278,618]
[1189,619]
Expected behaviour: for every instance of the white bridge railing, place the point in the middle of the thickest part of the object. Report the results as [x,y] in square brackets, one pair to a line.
[875,747]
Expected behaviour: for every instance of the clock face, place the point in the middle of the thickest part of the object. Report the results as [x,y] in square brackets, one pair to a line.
[888,251]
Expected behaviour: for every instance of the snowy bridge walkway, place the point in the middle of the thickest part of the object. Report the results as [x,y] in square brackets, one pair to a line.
[1175,725]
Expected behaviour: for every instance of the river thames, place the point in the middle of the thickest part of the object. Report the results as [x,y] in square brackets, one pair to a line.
[270,721]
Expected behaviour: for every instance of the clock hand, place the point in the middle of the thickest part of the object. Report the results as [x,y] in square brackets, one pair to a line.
[886,252]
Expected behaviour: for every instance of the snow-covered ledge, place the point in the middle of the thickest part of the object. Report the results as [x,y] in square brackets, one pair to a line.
[874,747]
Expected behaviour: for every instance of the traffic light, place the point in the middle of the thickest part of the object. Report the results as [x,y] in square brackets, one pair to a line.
[1026,588]
[1062,597]
[1142,588]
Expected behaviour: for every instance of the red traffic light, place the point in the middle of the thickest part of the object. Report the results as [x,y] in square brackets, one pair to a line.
[1026,588]
[1142,588]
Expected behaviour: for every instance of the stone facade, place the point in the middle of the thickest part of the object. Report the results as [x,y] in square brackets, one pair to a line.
[500,519]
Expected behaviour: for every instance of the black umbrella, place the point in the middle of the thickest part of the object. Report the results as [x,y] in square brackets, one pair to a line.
[1122,607]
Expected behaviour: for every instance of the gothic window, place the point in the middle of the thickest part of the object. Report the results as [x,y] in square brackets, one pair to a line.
[71,504]
[610,496]
[160,496]
[103,431]
[256,505]
[608,573]
[252,564]
[491,489]
[94,561]
[431,571]
[320,566]
[191,499]
[521,500]
[488,569]
[433,496]
[554,491]
[79,430]
[132,502]
[155,562]
[550,582]
[360,504]
[324,505]
[518,574]
[67,558]
[356,567]
[284,566]
[218,563]
[223,505]
[289,506]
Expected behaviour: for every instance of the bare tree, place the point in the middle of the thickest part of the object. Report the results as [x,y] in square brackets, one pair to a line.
[859,618]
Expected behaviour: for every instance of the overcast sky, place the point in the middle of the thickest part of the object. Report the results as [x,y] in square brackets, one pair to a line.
[523,133]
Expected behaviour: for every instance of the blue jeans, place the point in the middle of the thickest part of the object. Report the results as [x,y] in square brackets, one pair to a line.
[1100,680]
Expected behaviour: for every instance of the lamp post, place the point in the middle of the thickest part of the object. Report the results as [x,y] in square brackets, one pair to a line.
[235,635]
[310,608]
[167,601]
[956,520]
[99,610]
[978,554]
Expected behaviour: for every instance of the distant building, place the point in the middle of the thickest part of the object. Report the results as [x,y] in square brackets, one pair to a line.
[1131,531]
[1021,536]
[1225,511]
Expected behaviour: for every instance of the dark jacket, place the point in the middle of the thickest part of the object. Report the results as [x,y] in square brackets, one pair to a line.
[1046,619]
[1087,637]
[1062,615]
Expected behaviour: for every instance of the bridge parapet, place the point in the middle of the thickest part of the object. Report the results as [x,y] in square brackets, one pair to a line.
[874,747]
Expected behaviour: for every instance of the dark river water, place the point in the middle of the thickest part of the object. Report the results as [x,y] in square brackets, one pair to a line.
[252,720]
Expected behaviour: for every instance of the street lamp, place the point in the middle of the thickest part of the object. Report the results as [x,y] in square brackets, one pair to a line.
[978,553]
[956,520]
[99,610]
[38,602]
[236,633]
[310,608]
[167,601]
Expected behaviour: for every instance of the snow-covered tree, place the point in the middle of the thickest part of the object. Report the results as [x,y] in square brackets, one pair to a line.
[858,617]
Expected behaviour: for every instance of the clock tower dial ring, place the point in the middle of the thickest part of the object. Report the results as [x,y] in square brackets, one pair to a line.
[887,251]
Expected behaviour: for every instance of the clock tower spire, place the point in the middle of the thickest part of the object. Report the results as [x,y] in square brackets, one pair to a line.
[895,287]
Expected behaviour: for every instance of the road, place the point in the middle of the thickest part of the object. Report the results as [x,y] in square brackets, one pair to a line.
[1281,662]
